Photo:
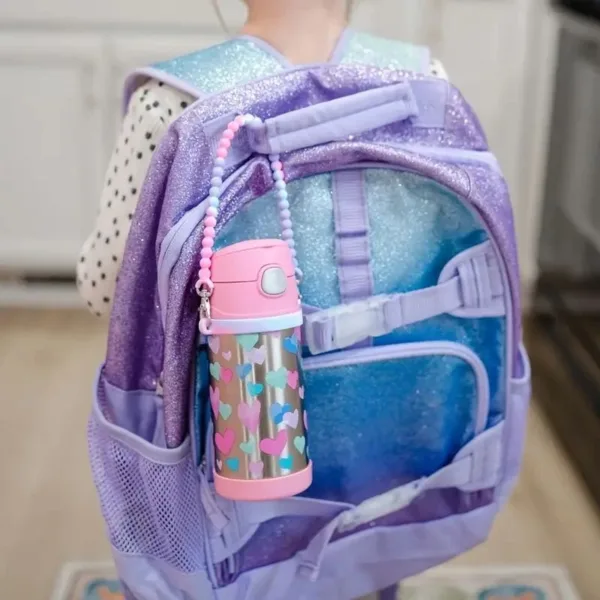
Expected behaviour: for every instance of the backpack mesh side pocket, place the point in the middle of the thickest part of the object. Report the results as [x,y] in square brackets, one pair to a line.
[151,506]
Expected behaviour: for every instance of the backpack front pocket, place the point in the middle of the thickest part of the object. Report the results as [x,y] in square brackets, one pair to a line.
[381,417]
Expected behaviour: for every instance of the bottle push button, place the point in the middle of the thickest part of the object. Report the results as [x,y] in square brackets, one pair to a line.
[273,281]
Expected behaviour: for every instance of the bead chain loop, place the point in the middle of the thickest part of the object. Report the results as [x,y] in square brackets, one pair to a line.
[204,285]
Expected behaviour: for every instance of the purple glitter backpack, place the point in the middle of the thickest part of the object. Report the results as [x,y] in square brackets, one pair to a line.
[417,384]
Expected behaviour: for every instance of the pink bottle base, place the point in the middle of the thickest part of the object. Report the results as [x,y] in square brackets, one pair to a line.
[264,489]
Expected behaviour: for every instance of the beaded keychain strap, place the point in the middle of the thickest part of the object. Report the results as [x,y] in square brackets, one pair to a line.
[205,285]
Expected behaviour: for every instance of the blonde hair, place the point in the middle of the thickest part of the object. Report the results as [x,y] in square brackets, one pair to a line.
[217,8]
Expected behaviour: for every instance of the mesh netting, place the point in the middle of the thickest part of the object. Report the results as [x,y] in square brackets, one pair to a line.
[151,509]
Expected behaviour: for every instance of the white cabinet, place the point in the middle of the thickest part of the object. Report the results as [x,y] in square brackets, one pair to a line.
[501,55]
[51,141]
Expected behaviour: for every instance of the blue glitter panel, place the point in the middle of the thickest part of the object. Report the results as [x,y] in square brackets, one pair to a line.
[311,205]
[364,443]
[223,66]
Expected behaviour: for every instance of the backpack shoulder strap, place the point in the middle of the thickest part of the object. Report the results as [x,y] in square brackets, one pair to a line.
[211,70]
[363,48]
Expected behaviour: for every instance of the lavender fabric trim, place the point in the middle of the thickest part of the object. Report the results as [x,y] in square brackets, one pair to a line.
[352,250]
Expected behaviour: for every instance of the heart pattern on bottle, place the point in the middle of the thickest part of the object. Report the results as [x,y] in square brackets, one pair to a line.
[247,341]
[291,344]
[214,343]
[225,410]
[255,389]
[215,370]
[215,400]
[300,443]
[224,441]
[226,375]
[249,415]
[248,446]
[287,462]
[277,379]
[274,446]
[256,469]
[292,379]
[278,411]
[256,356]
[291,419]
[243,370]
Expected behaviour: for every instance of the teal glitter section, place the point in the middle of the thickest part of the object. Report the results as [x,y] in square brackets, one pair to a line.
[223,66]
[311,204]
[387,54]
[416,226]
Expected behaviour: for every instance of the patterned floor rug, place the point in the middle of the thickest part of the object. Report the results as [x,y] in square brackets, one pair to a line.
[96,581]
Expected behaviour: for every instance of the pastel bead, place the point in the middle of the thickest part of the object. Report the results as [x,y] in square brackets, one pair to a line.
[248,118]
[287,234]
[284,204]
[214,202]
[216,182]
[280,185]
[277,175]
[209,231]
[206,252]
[214,191]
[291,243]
[205,263]
[220,162]
[293,252]
[204,275]
[229,134]
[210,221]
[286,224]
[274,157]
[218,172]
[277,165]
[211,211]
[208,242]
[285,214]
[233,127]
[222,153]
[240,120]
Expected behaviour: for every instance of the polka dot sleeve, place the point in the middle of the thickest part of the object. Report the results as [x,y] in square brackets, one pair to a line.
[152,108]
[437,69]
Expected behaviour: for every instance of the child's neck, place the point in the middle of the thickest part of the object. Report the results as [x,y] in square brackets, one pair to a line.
[304,31]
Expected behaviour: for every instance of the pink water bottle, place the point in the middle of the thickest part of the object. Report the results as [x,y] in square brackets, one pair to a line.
[251,313]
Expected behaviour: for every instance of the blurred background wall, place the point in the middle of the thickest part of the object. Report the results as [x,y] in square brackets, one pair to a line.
[62,64]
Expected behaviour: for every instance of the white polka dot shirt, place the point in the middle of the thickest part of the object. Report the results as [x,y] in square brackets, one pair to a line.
[152,109]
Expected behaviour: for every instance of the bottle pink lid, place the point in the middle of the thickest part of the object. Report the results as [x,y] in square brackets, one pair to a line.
[253,279]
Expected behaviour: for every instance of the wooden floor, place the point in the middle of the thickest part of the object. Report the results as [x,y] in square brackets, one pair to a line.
[48,508]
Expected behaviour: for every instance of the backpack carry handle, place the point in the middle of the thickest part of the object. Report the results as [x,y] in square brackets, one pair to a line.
[336,120]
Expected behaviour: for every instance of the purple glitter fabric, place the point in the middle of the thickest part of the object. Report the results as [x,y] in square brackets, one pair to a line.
[179,179]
